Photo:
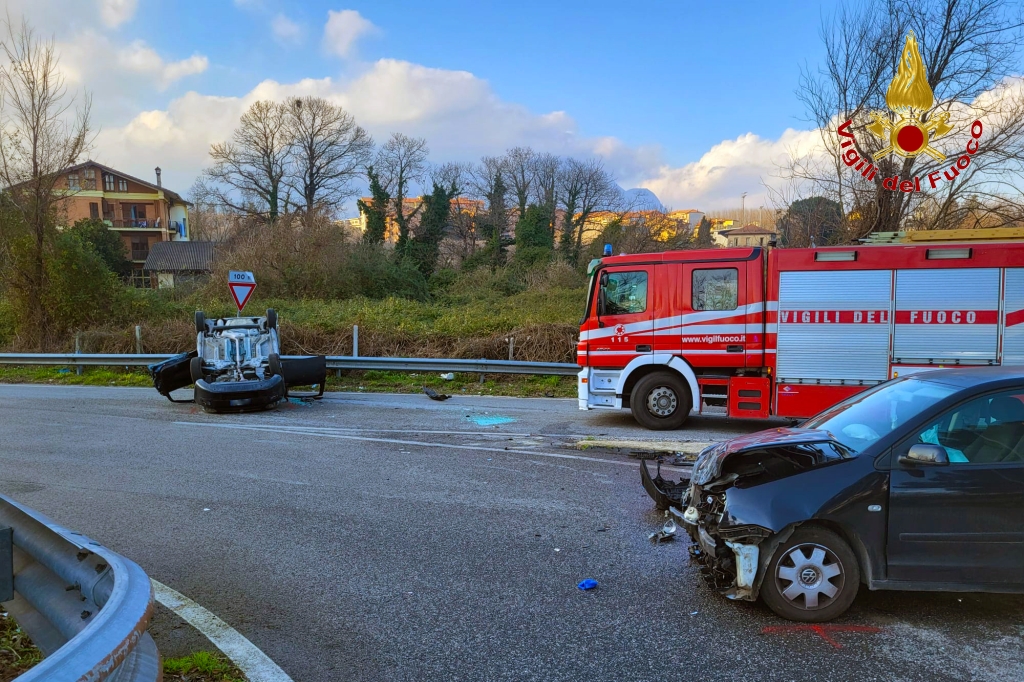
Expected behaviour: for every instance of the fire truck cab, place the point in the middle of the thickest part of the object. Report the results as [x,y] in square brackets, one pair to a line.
[754,333]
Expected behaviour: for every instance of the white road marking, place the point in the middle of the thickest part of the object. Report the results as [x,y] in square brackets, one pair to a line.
[347,429]
[302,431]
[256,665]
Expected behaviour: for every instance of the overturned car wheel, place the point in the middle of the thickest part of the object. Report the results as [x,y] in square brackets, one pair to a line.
[813,577]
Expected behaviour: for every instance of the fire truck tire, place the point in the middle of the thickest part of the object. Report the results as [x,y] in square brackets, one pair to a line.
[661,401]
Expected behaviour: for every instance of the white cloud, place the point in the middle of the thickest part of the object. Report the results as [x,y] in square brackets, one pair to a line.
[343,29]
[116,12]
[731,167]
[139,58]
[285,31]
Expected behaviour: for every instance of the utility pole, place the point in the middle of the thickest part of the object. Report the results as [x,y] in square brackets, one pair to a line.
[743,209]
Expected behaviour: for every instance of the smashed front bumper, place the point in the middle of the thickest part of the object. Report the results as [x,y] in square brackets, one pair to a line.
[730,559]
[665,493]
[240,396]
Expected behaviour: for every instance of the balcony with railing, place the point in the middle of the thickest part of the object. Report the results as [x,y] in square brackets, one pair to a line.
[134,223]
[140,254]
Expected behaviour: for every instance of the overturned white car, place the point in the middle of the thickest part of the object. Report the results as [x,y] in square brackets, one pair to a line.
[237,366]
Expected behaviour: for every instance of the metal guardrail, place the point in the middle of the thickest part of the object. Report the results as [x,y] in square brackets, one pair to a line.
[333,362]
[85,607]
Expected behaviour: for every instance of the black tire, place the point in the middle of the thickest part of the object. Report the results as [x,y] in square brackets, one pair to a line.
[809,557]
[195,369]
[200,321]
[661,401]
[271,318]
[274,362]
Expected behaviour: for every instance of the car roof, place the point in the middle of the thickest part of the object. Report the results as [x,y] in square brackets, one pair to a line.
[970,377]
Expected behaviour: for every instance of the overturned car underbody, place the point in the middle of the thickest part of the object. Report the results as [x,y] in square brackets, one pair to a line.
[722,505]
[237,367]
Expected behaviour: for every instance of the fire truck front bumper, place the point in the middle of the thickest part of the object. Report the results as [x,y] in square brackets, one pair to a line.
[596,389]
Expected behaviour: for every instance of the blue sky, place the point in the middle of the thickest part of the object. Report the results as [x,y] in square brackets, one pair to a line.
[695,101]
[682,75]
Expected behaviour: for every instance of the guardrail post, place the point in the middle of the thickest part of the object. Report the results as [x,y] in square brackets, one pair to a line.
[78,351]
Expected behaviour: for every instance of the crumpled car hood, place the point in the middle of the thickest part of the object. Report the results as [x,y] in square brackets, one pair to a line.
[709,464]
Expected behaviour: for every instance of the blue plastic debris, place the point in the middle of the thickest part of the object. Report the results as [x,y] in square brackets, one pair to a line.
[587,584]
[482,420]
[63,370]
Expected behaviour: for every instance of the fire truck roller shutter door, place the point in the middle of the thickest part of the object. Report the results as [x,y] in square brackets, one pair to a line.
[1013,306]
[834,325]
[946,314]
[670,361]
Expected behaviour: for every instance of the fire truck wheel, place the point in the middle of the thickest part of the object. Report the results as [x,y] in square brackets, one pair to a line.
[661,401]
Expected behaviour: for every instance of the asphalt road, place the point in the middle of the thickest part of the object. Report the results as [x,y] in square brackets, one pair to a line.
[382,537]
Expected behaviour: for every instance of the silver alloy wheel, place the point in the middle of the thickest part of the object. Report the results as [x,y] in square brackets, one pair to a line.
[811,571]
[662,401]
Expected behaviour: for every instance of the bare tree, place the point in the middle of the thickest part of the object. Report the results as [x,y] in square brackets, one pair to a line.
[583,187]
[328,151]
[968,48]
[401,162]
[249,171]
[40,136]
[489,183]
[520,168]
[208,221]
[544,187]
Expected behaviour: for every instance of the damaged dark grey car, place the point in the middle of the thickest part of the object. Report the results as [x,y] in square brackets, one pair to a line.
[915,484]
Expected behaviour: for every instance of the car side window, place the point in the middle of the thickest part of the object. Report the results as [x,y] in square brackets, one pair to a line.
[715,289]
[986,430]
[624,293]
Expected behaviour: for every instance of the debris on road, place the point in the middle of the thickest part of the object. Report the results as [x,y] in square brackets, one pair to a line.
[484,420]
[434,395]
[666,534]
[587,584]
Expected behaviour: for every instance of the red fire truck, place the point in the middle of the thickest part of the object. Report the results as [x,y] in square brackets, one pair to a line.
[789,332]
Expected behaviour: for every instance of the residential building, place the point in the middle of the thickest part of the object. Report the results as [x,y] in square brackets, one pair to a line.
[410,204]
[689,216]
[179,262]
[749,235]
[143,213]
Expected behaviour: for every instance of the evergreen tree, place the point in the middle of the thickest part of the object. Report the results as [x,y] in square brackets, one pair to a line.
[533,231]
[423,247]
[497,221]
[376,211]
[705,240]
[107,244]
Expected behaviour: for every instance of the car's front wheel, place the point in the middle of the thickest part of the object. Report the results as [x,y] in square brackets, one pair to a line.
[813,577]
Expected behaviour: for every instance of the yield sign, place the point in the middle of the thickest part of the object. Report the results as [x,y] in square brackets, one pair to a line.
[241,285]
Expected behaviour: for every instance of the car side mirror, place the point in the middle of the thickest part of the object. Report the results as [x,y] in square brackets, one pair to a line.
[925,453]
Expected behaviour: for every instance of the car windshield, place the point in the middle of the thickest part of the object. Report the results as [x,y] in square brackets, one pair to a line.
[867,417]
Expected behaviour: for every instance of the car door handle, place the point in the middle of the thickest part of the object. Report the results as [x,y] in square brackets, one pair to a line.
[643,348]
[734,348]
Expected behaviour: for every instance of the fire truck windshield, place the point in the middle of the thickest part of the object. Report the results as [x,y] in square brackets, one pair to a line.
[867,417]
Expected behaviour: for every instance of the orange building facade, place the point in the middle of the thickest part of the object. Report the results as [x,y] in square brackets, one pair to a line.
[143,213]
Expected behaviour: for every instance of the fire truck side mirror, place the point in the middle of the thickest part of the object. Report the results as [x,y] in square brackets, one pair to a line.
[601,298]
